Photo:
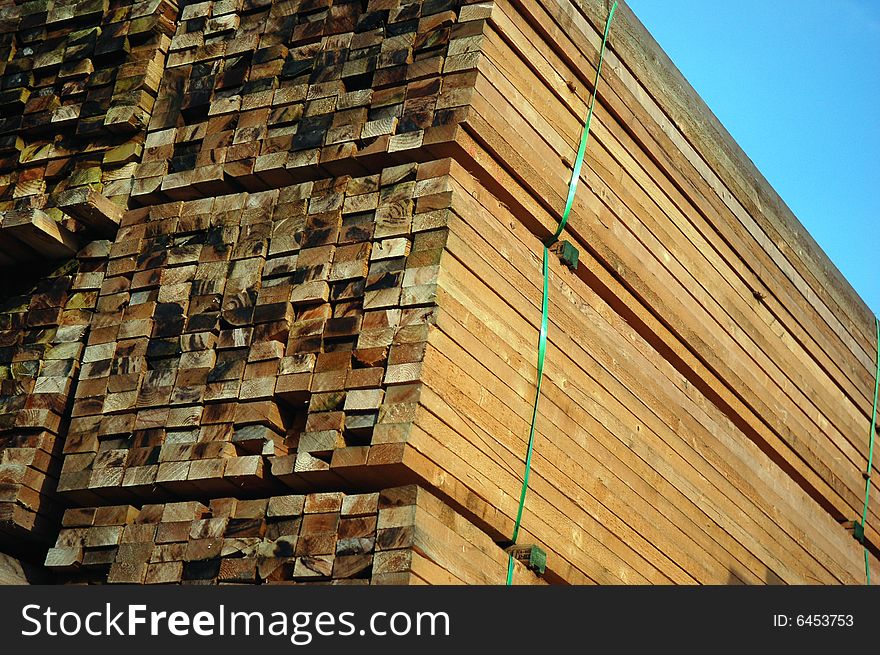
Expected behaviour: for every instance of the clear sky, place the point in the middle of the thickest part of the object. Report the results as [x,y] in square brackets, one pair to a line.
[797,85]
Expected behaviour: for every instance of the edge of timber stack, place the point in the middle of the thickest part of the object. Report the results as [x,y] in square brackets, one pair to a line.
[272,277]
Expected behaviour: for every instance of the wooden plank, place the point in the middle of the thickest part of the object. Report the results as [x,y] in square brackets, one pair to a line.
[35,229]
[91,208]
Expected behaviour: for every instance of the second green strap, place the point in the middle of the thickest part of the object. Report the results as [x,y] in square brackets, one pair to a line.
[871,435]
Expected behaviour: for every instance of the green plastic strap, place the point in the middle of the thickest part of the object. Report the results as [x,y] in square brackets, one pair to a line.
[582,148]
[542,338]
[542,352]
[871,451]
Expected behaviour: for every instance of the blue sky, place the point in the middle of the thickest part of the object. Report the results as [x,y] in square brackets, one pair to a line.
[797,84]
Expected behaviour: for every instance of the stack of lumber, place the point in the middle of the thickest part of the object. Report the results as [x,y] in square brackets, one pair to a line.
[327,281]
[43,328]
[257,94]
[78,81]
[402,535]
[284,325]
[684,239]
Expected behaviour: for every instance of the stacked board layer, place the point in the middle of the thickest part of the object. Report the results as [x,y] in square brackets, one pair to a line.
[280,291]
[397,536]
